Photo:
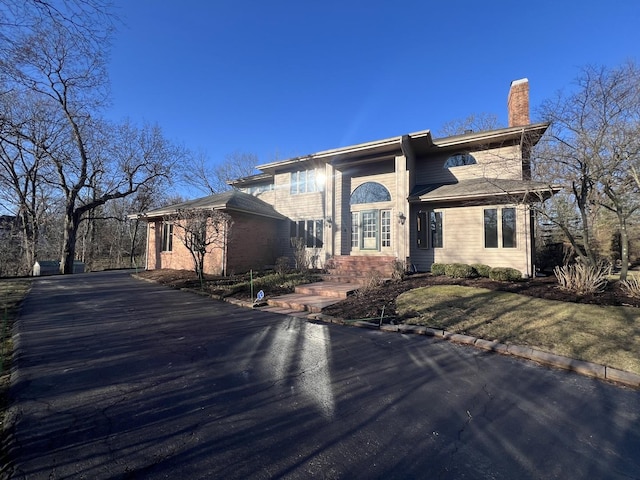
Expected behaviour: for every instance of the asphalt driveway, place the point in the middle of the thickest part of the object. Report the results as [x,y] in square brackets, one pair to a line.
[120,378]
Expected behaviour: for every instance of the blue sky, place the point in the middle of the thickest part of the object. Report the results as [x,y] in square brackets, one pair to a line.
[285,78]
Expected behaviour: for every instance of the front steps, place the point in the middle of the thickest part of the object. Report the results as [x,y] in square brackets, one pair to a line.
[312,297]
[346,274]
[359,269]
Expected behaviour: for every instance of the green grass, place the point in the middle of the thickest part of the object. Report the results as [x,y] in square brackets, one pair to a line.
[11,294]
[593,333]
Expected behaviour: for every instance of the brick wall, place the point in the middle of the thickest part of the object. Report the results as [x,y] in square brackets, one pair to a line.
[251,245]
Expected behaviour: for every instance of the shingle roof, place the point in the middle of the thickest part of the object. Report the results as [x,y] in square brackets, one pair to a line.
[232,200]
[479,188]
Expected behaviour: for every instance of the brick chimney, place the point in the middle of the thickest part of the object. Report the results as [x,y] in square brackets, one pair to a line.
[518,103]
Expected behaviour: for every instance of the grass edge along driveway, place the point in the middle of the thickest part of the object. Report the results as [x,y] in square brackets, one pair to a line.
[600,334]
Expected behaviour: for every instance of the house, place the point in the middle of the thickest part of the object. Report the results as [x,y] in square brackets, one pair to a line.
[413,198]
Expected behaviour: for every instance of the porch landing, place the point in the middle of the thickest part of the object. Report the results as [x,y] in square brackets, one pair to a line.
[310,298]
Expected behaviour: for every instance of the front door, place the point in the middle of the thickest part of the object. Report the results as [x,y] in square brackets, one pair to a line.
[365,230]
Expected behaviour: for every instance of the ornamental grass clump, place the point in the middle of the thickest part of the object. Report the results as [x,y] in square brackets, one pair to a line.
[583,279]
[631,286]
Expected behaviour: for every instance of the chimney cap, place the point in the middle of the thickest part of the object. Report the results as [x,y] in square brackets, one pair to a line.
[517,82]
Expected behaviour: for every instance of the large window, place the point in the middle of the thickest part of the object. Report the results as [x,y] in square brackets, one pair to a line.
[306,181]
[435,224]
[507,223]
[370,192]
[310,231]
[460,160]
[429,229]
[509,228]
[167,237]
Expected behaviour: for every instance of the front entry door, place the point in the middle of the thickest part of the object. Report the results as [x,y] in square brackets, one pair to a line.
[370,230]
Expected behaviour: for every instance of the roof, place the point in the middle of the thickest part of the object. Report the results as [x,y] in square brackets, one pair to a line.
[418,143]
[480,188]
[230,201]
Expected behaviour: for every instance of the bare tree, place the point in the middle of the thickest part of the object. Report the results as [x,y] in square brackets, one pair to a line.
[201,231]
[473,123]
[593,148]
[212,179]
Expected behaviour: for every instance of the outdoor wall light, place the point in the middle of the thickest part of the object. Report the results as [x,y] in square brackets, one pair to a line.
[328,222]
[401,218]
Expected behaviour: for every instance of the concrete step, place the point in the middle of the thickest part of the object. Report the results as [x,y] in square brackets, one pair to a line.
[329,288]
[302,302]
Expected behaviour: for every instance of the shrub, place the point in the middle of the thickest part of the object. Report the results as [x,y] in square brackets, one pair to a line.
[399,269]
[372,281]
[282,266]
[437,269]
[583,279]
[459,270]
[632,286]
[505,274]
[482,270]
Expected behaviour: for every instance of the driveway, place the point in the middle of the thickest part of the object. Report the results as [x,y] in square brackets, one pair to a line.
[120,378]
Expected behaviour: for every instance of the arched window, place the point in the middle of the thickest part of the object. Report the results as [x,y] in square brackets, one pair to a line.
[370,192]
[459,160]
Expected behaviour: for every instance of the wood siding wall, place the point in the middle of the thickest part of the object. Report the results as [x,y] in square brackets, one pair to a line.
[463,240]
[504,162]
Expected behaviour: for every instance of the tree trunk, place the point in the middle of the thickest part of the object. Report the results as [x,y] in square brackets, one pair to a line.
[70,234]
[624,247]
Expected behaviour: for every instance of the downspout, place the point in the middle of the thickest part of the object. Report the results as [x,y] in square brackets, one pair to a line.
[224,250]
[146,247]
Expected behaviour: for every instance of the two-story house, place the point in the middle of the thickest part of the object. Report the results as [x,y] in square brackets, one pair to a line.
[413,198]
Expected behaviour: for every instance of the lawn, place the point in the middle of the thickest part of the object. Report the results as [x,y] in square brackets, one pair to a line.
[608,335]
[12,292]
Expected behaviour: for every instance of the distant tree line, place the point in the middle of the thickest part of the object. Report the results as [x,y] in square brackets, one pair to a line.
[68,176]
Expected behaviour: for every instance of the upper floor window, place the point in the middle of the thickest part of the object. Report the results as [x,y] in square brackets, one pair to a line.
[259,188]
[306,181]
[370,192]
[459,160]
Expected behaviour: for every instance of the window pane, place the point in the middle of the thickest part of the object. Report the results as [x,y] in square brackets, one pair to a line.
[302,182]
[355,230]
[311,181]
[386,227]
[421,226]
[436,229]
[309,231]
[294,183]
[319,234]
[509,228]
[491,228]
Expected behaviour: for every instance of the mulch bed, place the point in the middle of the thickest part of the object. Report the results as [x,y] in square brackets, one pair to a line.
[370,303]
